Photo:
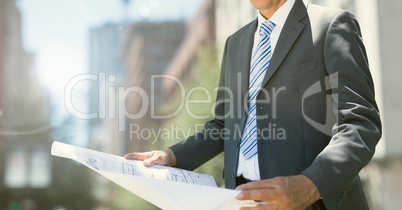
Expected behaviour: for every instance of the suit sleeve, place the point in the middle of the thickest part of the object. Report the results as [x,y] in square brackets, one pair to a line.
[358,126]
[206,144]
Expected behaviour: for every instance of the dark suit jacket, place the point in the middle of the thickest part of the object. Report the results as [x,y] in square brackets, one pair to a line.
[317,112]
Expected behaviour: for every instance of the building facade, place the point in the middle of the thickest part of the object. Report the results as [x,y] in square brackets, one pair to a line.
[25,162]
[106,65]
[149,49]
[30,178]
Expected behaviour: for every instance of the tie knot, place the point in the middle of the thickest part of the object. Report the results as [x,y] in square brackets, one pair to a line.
[267,27]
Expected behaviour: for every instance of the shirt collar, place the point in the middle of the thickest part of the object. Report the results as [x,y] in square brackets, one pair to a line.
[280,16]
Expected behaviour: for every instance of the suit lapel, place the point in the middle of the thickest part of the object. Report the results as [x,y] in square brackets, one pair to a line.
[290,32]
[246,47]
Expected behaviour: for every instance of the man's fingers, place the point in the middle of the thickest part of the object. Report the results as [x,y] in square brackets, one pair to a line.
[258,194]
[150,158]
[137,155]
[155,159]
[294,192]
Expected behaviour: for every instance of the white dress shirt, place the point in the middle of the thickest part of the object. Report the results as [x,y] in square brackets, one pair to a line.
[250,169]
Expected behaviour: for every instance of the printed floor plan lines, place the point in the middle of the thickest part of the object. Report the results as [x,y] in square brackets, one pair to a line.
[128,169]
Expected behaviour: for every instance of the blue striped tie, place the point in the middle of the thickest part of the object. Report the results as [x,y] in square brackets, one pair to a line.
[259,64]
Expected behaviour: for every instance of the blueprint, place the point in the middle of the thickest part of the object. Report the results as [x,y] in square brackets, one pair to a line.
[166,187]
[116,164]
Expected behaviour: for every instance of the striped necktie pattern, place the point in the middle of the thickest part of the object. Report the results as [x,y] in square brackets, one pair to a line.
[259,64]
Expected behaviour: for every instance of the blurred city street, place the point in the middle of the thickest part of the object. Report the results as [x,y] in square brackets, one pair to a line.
[138,75]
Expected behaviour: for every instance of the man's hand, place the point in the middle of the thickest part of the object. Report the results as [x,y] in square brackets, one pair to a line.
[292,192]
[158,157]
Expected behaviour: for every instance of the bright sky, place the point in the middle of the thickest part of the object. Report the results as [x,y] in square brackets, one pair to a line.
[57,32]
